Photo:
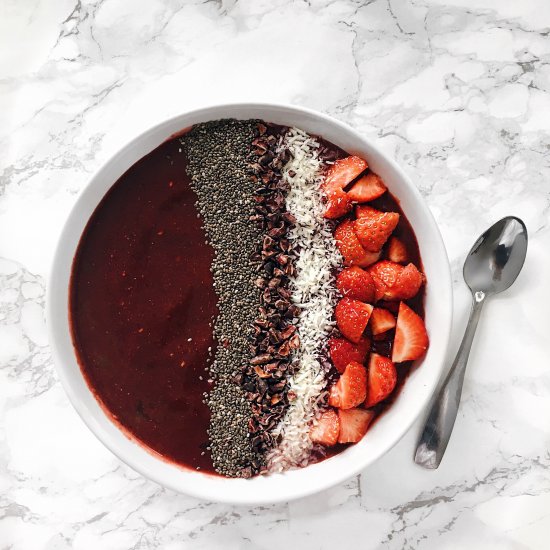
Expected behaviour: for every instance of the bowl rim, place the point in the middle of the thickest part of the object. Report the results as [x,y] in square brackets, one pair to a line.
[237,491]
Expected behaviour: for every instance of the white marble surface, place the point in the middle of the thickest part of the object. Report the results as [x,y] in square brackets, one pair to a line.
[457,90]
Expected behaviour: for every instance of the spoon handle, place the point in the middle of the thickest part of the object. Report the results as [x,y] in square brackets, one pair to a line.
[441,419]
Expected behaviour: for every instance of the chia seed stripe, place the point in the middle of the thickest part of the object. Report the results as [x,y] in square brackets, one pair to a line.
[217,154]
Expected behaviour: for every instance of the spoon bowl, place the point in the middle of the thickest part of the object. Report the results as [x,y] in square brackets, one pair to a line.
[495,260]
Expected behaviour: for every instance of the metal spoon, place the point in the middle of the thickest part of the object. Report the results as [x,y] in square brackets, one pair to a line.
[493,264]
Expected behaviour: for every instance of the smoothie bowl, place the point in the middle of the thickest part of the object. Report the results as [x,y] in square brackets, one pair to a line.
[249,303]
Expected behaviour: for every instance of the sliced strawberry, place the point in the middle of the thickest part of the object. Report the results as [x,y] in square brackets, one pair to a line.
[352,317]
[326,430]
[386,272]
[367,188]
[351,388]
[348,243]
[340,174]
[397,252]
[362,211]
[411,338]
[379,287]
[374,227]
[367,259]
[356,283]
[350,247]
[408,283]
[338,203]
[354,424]
[342,352]
[395,281]
[381,321]
[382,378]
[344,171]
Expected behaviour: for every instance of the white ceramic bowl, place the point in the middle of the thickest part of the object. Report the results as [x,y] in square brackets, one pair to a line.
[385,433]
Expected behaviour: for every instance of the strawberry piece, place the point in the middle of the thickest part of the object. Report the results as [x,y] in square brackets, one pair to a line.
[373,228]
[326,430]
[348,243]
[397,252]
[379,287]
[356,283]
[342,352]
[351,388]
[340,174]
[408,283]
[381,321]
[395,281]
[411,338]
[338,204]
[343,172]
[352,317]
[367,188]
[382,378]
[362,211]
[354,424]
[367,259]
[350,247]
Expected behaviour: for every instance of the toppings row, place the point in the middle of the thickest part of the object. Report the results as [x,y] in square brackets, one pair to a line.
[315,293]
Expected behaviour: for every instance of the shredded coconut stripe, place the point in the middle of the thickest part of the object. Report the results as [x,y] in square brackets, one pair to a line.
[313,292]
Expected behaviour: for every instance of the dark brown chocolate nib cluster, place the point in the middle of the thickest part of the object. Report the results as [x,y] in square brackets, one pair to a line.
[274,336]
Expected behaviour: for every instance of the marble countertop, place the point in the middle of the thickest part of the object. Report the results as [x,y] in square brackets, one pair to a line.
[458,91]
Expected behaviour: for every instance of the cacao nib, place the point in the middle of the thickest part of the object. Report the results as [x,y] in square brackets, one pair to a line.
[261,359]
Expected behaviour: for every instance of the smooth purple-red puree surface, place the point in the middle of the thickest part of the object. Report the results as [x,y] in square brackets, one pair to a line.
[141,304]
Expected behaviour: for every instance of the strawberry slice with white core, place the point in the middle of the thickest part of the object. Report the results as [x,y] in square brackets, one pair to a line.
[411,339]
[354,424]
[338,204]
[351,388]
[381,320]
[344,171]
[326,430]
[349,246]
[367,188]
[397,252]
[382,378]
[340,174]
